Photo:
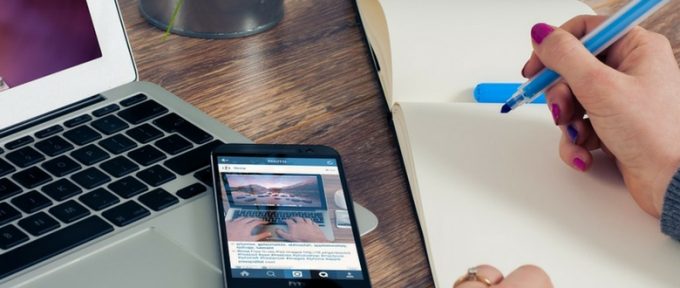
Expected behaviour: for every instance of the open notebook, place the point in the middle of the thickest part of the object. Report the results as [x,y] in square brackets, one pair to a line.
[490,188]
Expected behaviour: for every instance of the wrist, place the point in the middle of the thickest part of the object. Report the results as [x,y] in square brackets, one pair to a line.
[660,184]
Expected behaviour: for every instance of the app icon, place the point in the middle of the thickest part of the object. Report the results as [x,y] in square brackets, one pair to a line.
[297,274]
[323,274]
[271,274]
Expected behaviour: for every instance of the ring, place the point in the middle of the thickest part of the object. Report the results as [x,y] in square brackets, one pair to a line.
[472,276]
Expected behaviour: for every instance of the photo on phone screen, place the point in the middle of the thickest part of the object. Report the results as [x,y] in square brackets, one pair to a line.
[280,218]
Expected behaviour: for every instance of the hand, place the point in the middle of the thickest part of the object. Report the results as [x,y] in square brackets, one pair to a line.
[527,276]
[302,230]
[241,229]
[628,106]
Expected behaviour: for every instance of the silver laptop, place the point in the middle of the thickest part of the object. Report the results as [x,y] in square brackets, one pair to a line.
[104,180]
[276,199]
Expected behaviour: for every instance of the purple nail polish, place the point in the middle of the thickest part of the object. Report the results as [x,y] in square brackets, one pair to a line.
[540,31]
[555,109]
[579,164]
[573,133]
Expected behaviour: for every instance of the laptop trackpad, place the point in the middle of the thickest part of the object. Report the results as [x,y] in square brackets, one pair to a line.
[148,259]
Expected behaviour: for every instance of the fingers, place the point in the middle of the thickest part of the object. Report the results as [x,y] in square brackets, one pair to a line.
[577,26]
[560,51]
[563,106]
[487,272]
[527,276]
[572,154]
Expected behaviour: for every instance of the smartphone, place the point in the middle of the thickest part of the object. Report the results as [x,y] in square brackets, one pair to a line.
[277,218]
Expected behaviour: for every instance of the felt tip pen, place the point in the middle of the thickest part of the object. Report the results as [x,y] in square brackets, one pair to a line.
[596,41]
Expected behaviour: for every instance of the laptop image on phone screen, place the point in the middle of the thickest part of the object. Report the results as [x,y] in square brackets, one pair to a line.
[104,180]
[276,198]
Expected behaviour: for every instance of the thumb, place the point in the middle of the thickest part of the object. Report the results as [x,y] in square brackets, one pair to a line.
[262,236]
[563,53]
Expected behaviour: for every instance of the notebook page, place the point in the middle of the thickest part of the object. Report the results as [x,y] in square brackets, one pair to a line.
[492,189]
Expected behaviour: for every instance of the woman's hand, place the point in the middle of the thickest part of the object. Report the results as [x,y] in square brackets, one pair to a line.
[527,276]
[628,104]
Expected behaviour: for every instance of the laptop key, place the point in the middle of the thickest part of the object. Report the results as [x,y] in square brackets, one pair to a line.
[99,199]
[82,135]
[53,146]
[89,155]
[205,175]
[174,123]
[144,133]
[8,214]
[25,157]
[77,121]
[49,131]
[193,159]
[158,199]
[156,175]
[119,166]
[133,100]
[10,236]
[126,213]
[61,189]
[8,188]
[90,178]
[31,202]
[105,110]
[142,112]
[69,211]
[173,144]
[109,124]
[19,142]
[5,168]
[38,224]
[117,144]
[191,191]
[61,166]
[52,244]
[146,155]
[32,177]
[127,187]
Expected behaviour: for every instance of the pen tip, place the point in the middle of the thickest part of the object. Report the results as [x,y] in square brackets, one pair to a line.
[505,108]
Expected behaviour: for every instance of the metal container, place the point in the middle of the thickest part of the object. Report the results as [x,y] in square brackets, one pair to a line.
[214,18]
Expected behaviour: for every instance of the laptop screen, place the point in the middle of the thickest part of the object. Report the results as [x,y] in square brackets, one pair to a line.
[39,38]
[274,190]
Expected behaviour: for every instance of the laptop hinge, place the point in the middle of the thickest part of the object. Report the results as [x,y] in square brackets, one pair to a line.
[35,121]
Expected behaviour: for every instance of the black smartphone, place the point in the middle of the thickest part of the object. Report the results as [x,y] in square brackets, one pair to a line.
[277,208]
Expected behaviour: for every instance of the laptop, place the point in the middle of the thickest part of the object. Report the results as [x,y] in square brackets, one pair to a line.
[104,180]
[276,199]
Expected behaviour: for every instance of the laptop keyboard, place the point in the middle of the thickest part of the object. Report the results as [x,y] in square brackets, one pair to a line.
[71,183]
[279,217]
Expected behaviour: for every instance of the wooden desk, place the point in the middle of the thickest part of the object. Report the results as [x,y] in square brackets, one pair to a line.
[310,80]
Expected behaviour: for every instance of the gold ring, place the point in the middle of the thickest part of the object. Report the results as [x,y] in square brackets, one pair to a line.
[472,276]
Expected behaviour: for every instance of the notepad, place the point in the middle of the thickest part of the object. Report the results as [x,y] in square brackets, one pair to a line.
[491,188]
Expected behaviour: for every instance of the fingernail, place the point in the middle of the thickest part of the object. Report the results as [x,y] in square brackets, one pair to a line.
[579,164]
[555,109]
[540,31]
[573,133]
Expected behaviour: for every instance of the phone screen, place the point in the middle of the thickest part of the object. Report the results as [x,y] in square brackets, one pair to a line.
[280,219]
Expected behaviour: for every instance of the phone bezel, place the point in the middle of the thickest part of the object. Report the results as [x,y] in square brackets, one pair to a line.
[283,151]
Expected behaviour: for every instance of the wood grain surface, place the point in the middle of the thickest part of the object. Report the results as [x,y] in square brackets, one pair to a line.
[310,80]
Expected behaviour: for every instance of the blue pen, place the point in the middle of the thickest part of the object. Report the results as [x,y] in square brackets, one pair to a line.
[499,93]
[596,41]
